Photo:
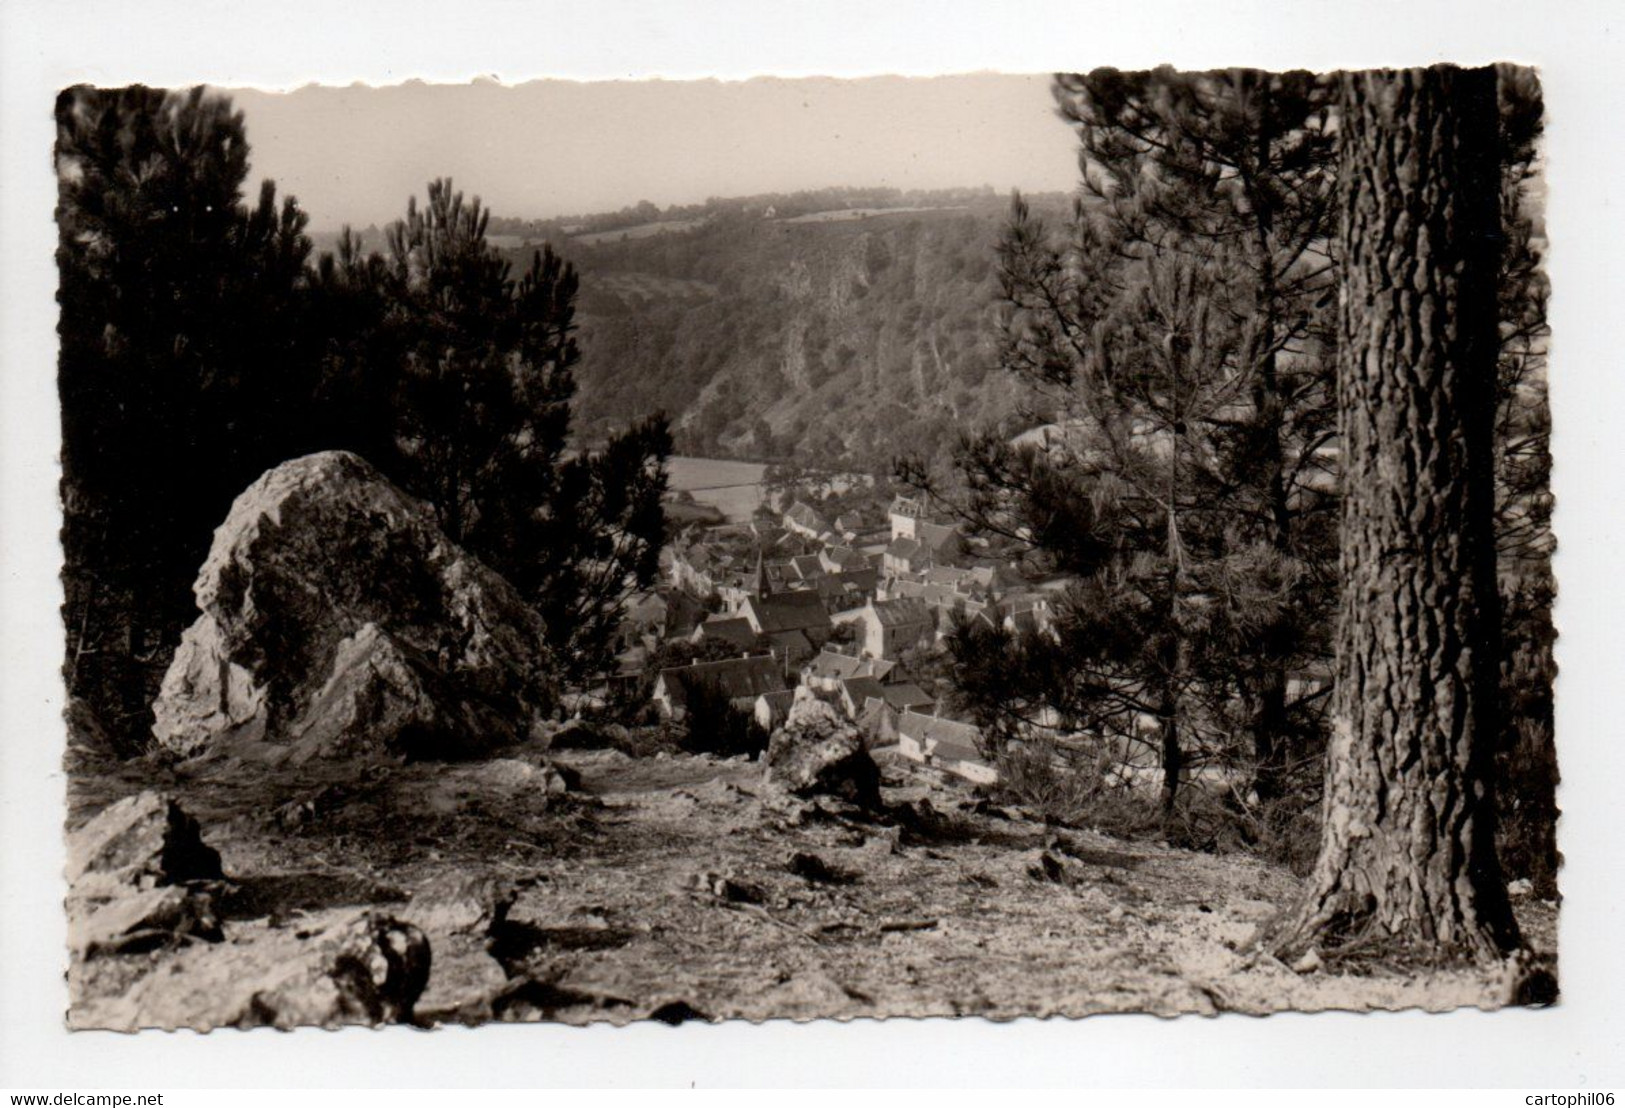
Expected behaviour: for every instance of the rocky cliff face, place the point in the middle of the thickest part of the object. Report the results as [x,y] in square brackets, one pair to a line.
[337,619]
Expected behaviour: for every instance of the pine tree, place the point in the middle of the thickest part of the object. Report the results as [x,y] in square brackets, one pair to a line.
[482,418]
[181,359]
[1407,849]
[1528,756]
[1172,336]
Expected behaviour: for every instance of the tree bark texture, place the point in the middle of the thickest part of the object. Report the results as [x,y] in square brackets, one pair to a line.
[1407,849]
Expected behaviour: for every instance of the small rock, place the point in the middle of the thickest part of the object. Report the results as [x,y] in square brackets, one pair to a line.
[142,841]
[884,841]
[1047,867]
[457,903]
[1520,888]
[142,920]
[301,813]
[559,779]
[814,995]
[813,868]
[580,734]
[1309,963]
[464,981]
[724,888]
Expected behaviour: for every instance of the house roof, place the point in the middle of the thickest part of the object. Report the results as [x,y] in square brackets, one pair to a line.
[836,585]
[795,644]
[880,668]
[805,515]
[734,630]
[646,606]
[938,596]
[844,556]
[947,738]
[1025,620]
[790,611]
[778,703]
[936,536]
[737,677]
[902,611]
[904,697]
[808,566]
[904,548]
[830,663]
[859,689]
[697,557]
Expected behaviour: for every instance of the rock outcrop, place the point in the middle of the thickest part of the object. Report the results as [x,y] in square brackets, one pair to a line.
[338,620]
[140,876]
[141,842]
[351,968]
[142,920]
[816,752]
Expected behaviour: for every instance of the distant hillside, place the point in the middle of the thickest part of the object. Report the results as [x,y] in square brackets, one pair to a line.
[851,336]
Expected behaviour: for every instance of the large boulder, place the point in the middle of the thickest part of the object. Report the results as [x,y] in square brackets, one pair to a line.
[338,620]
[818,752]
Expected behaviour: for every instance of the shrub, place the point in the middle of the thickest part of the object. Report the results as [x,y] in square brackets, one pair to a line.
[714,726]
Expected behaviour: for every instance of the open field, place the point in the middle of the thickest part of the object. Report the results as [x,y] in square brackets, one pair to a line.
[640,231]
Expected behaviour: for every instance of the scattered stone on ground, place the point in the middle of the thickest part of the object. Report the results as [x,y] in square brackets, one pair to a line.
[669,888]
[338,620]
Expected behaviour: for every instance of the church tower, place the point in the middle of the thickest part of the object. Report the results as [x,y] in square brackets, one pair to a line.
[759,587]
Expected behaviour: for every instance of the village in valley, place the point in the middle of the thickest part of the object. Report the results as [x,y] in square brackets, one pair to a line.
[849,607]
[842,603]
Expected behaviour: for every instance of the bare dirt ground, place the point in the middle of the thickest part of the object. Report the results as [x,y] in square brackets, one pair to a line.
[682,887]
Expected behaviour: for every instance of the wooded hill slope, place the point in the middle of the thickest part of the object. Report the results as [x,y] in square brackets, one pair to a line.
[841,336]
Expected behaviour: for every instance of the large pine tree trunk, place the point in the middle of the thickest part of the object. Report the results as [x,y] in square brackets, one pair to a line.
[1407,851]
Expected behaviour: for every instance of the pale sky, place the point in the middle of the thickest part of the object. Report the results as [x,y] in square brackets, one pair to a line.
[354,155]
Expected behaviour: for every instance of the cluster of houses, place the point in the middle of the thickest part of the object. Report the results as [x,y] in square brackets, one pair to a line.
[842,607]
[835,605]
